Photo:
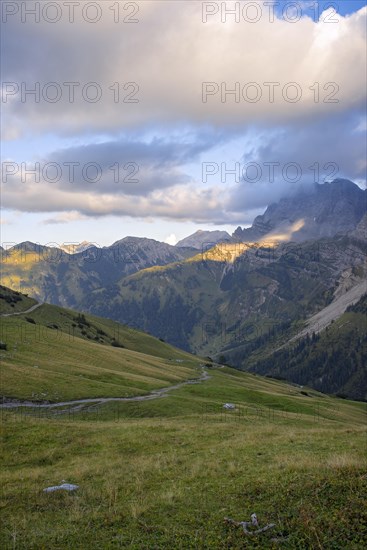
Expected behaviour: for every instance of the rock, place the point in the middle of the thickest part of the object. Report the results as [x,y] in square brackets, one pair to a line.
[229,406]
[64,487]
[325,210]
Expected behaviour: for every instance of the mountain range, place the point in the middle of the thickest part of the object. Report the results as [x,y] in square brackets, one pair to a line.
[52,275]
[237,298]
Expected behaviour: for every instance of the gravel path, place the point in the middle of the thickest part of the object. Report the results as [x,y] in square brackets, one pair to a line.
[22,312]
[76,404]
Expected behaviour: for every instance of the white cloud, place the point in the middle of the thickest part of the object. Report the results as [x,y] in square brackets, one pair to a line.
[171,239]
[169,54]
[65,217]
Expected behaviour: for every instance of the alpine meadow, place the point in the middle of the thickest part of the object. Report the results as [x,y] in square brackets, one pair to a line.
[183,275]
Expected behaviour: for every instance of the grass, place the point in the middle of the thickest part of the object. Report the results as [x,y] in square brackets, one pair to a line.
[169,484]
[45,364]
[14,302]
[165,473]
[57,354]
[107,331]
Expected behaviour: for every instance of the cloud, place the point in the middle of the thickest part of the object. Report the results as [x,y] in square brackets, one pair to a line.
[157,144]
[171,239]
[123,177]
[162,187]
[128,166]
[154,179]
[5,221]
[65,217]
[319,151]
[179,202]
[169,54]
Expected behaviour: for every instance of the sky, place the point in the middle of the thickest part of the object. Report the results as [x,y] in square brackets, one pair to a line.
[158,118]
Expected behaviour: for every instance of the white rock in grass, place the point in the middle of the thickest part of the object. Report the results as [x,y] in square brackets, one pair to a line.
[63,487]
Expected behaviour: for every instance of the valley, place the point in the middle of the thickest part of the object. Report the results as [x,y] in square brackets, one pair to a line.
[143,431]
[183,275]
[233,300]
[130,394]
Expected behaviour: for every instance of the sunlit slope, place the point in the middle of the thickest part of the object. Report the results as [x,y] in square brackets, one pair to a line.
[53,354]
[240,302]
[54,276]
[20,271]
[214,298]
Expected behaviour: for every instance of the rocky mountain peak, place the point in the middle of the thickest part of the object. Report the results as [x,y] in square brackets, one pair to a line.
[322,210]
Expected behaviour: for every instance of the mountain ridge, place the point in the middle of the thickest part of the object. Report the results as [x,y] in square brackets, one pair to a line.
[205,239]
[228,300]
[326,210]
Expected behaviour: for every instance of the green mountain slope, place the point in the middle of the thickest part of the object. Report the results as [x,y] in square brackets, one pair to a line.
[234,300]
[210,302]
[333,361]
[54,354]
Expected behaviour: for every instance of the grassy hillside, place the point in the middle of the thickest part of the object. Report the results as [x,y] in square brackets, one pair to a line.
[55,354]
[14,302]
[164,473]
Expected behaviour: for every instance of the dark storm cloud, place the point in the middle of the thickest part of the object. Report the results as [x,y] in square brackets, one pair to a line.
[300,155]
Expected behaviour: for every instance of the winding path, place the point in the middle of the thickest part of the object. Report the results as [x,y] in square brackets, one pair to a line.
[78,403]
[155,394]
[22,312]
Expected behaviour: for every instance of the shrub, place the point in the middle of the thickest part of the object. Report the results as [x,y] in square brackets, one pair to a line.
[30,320]
[117,344]
[81,320]
[341,395]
